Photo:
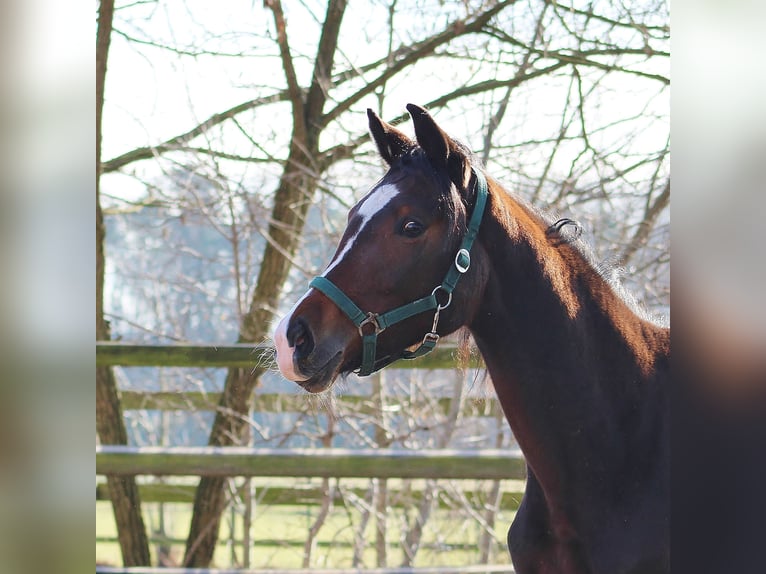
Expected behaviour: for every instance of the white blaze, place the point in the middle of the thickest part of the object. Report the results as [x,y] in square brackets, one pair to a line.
[284,350]
[372,204]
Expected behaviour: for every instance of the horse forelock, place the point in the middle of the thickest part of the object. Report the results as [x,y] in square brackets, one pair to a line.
[414,166]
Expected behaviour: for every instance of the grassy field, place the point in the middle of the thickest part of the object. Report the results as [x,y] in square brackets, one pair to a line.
[278,534]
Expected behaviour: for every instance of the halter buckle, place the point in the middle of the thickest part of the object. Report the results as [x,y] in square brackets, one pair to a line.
[463,260]
[371,319]
[433,337]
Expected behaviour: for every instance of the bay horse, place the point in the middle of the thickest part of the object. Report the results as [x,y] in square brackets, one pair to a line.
[583,379]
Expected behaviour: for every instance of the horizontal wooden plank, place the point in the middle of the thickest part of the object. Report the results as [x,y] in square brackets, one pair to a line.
[232,355]
[186,355]
[335,543]
[482,569]
[302,495]
[281,402]
[320,462]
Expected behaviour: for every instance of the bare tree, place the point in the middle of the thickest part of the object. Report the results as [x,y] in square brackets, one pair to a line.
[482,65]
[109,420]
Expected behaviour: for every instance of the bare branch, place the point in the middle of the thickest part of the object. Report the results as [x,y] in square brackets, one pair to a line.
[503,106]
[193,53]
[590,14]
[406,55]
[647,224]
[587,57]
[345,150]
[174,143]
[328,43]
[110,424]
[293,87]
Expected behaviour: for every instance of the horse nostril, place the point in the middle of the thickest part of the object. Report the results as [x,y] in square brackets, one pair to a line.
[299,337]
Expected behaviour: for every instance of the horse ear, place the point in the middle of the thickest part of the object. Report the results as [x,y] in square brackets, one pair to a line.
[441,150]
[392,143]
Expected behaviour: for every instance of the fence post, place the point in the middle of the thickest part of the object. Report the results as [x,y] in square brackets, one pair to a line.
[247,499]
[380,485]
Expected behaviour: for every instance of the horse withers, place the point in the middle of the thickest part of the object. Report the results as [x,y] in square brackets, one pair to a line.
[582,378]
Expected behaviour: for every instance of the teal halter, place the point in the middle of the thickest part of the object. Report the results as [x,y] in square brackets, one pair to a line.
[370,324]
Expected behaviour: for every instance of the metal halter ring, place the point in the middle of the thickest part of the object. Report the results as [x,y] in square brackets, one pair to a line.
[372,319]
[439,306]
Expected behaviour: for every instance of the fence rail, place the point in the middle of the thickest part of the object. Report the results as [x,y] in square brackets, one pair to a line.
[314,462]
[306,494]
[235,355]
[282,402]
[484,569]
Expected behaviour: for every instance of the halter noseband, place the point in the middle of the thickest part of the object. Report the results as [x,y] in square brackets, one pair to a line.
[371,324]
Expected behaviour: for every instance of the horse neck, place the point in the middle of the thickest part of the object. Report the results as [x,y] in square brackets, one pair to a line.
[569,359]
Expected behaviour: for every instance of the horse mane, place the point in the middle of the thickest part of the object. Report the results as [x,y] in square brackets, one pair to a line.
[564,231]
[611,274]
[560,231]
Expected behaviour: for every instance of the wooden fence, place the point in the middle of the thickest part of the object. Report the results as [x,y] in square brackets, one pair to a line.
[236,355]
[484,569]
[476,464]
[310,462]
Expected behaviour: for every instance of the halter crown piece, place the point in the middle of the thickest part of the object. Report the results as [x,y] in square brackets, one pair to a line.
[371,324]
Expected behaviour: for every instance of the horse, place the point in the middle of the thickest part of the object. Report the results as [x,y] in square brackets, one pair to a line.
[582,376]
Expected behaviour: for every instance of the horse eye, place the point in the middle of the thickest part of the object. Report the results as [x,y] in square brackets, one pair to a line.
[412,228]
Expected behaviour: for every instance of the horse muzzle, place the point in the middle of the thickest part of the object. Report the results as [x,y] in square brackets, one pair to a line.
[301,359]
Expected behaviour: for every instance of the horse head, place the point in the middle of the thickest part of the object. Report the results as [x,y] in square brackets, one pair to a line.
[392,284]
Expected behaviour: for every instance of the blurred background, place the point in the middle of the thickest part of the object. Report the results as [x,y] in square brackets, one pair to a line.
[46,287]
[567,105]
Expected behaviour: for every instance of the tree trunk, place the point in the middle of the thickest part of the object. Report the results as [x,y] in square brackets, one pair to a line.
[288,215]
[110,425]
[291,203]
[123,491]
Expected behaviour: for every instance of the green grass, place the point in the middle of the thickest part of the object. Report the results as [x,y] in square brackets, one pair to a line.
[278,533]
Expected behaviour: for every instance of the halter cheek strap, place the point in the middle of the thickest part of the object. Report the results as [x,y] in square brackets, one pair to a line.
[370,324]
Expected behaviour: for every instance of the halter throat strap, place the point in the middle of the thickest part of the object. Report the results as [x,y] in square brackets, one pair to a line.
[370,325]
